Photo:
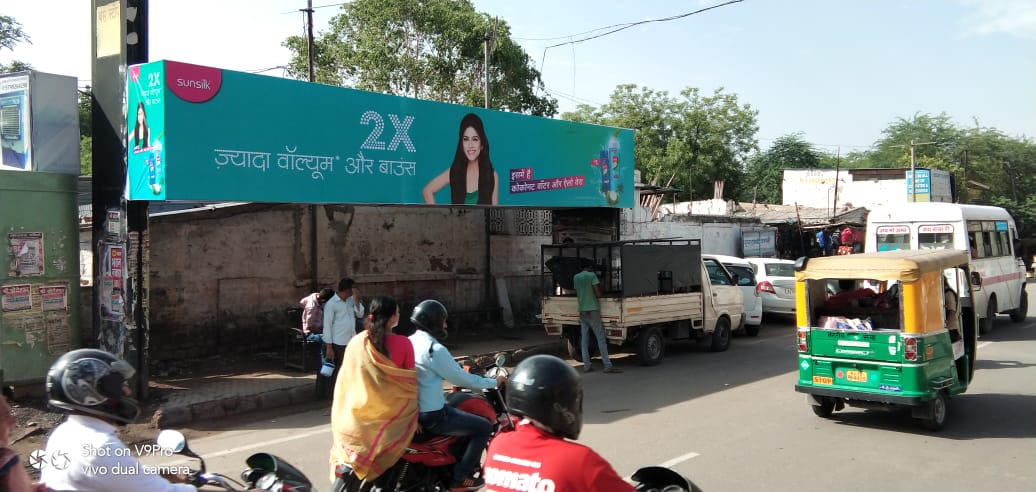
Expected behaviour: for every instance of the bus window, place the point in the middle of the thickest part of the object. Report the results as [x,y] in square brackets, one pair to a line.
[977,244]
[893,242]
[935,240]
[1005,243]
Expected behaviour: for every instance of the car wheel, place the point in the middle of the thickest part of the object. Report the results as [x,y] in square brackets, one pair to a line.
[986,325]
[1022,311]
[752,330]
[650,346]
[825,408]
[721,335]
[935,414]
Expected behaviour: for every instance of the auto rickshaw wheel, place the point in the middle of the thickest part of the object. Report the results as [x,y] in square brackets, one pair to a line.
[825,408]
[1019,314]
[936,412]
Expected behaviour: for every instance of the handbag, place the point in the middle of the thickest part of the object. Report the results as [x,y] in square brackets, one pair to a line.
[327,369]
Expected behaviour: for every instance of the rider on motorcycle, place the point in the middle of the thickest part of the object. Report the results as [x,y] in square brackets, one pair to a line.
[83,452]
[434,363]
[548,394]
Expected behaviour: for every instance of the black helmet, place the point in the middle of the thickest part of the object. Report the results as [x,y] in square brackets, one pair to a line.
[430,315]
[90,381]
[546,389]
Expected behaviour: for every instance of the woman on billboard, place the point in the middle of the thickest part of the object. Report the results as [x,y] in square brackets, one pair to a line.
[140,139]
[471,177]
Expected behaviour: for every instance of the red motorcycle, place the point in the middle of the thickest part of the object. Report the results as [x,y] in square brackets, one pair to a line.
[427,463]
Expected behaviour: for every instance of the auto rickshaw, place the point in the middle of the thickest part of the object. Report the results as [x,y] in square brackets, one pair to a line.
[885,330]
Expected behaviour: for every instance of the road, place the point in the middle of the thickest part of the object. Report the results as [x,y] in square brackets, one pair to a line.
[732,421]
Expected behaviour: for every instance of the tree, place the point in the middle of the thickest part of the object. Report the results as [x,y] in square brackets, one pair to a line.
[11,34]
[765,174]
[692,140]
[86,165]
[427,49]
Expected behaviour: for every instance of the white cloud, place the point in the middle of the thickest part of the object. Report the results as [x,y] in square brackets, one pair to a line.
[1014,17]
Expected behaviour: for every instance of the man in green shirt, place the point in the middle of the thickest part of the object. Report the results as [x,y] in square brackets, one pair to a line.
[587,291]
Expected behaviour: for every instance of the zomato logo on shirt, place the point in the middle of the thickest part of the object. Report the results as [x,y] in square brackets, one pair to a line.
[521,482]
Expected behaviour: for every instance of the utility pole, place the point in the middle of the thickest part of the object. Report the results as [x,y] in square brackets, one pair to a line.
[313,248]
[913,177]
[834,201]
[487,219]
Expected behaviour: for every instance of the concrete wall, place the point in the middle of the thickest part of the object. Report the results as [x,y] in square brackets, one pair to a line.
[222,278]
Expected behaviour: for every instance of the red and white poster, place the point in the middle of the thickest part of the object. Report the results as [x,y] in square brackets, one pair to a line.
[112,277]
[16,297]
[27,253]
[54,297]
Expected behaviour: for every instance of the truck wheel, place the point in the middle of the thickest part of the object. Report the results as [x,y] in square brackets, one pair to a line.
[1018,314]
[986,325]
[721,335]
[825,408]
[935,414]
[650,346]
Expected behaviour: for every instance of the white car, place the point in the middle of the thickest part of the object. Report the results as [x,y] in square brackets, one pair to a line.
[775,283]
[747,285]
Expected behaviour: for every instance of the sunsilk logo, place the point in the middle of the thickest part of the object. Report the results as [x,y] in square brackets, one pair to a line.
[193,83]
[202,84]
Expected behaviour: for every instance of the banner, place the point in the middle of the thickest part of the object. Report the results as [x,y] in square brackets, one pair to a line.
[200,133]
[14,123]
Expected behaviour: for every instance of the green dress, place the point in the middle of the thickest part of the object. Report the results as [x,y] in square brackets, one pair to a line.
[471,198]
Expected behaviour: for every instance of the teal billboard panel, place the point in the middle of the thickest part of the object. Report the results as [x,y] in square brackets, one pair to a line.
[201,133]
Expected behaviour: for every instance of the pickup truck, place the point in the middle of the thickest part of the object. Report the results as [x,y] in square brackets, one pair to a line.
[652,292]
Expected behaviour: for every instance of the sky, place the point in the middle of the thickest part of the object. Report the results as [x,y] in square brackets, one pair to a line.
[838,72]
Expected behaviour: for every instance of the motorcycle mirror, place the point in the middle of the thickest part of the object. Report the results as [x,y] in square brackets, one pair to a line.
[175,442]
[501,359]
[171,441]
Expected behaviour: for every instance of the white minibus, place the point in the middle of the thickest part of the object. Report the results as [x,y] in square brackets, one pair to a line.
[988,233]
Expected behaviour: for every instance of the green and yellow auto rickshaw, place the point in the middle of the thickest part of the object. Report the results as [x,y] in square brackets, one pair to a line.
[885,330]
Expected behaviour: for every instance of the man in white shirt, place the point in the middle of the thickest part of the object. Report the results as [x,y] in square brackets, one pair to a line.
[83,452]
[340,315]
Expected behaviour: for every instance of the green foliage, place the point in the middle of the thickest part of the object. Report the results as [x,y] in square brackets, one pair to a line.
[86,133]
[765,173]
[427,49]
[86,156]
[691,140]
[11,34]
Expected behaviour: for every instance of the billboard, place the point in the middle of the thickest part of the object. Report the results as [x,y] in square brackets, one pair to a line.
[39,123]
[201,133]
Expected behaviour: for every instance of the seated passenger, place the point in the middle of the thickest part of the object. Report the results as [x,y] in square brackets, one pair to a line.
[848,295]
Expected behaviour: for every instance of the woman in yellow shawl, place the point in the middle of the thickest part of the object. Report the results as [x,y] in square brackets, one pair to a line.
[374,413]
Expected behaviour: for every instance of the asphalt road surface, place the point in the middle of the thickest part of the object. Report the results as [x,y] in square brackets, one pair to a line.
[733,421]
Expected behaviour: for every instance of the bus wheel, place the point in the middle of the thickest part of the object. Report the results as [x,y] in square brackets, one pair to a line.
[986,325]
[1018,314]
[935,413]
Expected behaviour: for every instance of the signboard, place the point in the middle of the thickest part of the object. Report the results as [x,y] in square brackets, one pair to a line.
[932,185]
[201,133]
[892,230]
[16,297]
[39,123]
[933,229]
[14,123]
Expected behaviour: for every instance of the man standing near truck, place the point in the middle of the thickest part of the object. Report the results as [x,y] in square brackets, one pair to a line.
[588,289]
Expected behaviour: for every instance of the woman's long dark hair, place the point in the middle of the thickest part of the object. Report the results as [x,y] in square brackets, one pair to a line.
[141,127]
[382,310]
[459,168]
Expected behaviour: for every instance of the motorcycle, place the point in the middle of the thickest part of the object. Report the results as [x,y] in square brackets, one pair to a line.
[427,463]
[265,471]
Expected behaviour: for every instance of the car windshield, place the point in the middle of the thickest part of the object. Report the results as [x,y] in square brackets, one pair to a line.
[780,269]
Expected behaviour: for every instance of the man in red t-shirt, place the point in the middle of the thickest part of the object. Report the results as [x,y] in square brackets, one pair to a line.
[547,393]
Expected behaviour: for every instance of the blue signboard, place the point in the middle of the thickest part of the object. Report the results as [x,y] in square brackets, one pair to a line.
[201,133]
